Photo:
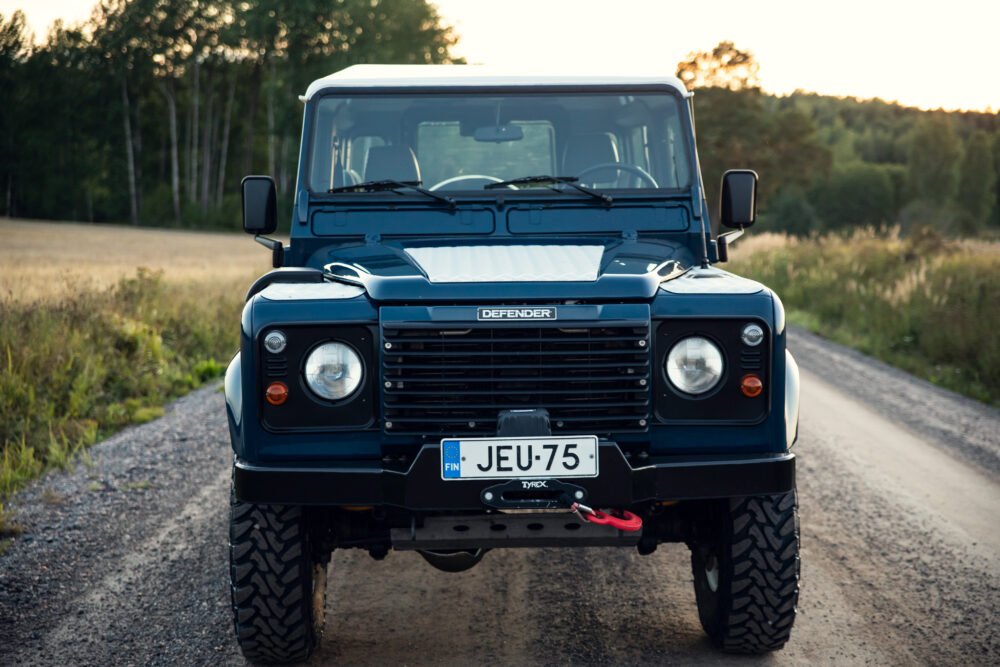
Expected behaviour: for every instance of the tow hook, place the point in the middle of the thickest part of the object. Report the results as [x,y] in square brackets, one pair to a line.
[620,519]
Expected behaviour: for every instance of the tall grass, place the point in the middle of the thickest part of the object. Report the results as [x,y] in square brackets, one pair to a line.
[922,303]
[76,367]
[89,344]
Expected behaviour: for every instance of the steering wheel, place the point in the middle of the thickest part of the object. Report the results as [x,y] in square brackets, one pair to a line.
[641,173]
[478,181]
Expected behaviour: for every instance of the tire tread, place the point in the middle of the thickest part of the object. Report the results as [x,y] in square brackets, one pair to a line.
[270,582]
[764,589]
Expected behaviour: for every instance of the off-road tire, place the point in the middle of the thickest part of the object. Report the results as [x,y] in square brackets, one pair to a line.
[278,582]
[755,545]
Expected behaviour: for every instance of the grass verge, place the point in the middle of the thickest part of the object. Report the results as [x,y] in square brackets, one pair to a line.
[922,303]
[77,367]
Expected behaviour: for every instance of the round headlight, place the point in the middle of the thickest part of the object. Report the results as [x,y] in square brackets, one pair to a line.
[694,365]
[334,371]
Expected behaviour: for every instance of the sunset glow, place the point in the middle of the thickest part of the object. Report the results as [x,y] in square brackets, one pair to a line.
[919,54]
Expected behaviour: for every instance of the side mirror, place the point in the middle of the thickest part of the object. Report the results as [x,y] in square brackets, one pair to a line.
[739,198]
[260,206]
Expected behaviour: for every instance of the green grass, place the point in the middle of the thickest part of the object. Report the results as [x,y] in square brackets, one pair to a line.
[921,303]
[77,367]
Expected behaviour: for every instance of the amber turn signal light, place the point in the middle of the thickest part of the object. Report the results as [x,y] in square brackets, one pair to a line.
[277,393]
[751,386]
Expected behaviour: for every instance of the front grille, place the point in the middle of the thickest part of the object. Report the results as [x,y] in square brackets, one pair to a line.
[445,380]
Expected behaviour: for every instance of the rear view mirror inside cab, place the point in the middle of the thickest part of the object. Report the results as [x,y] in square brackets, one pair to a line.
[499,133]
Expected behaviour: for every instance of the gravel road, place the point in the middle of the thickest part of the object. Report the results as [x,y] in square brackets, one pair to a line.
[123,561]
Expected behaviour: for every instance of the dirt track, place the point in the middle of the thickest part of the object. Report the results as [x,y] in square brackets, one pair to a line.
[124,560]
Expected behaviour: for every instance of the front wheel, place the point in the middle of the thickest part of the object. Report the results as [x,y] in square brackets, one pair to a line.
[746,576]
[278,582]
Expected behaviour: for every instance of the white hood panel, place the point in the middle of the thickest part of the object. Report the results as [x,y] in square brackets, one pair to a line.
[509,264]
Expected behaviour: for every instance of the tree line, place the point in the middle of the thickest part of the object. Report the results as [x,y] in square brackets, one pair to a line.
[152,111]
[830,163]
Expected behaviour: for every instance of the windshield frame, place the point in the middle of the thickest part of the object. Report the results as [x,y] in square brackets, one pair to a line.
[691,188]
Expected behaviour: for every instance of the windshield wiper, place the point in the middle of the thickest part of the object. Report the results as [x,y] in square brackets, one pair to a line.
[385,185]
[571,181]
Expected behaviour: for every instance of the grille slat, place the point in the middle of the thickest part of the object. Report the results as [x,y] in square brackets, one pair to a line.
[481,392]
[569,366]
[524,378]
[464,339]
[505,405]
[427,354]
[454,379]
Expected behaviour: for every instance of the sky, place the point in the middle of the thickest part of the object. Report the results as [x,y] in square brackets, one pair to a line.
[919,53]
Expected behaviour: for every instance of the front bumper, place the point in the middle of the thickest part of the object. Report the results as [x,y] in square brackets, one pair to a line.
[421,488]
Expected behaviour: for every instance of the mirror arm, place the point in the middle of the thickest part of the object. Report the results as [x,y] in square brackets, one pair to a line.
[724,240]
[277,250]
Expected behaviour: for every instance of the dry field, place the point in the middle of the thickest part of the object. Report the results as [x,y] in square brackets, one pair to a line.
[768,242]
[46,260]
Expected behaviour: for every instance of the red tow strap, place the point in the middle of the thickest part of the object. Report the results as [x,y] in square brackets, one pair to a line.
[628,521]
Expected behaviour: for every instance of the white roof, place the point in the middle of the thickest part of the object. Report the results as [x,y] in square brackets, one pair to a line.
[411,76]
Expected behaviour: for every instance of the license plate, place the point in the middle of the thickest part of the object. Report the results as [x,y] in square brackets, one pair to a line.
[501,458]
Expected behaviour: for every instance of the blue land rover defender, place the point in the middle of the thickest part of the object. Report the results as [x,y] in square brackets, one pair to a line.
[499,323]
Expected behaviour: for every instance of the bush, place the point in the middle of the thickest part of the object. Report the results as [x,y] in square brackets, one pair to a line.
[856,194]
[791,212]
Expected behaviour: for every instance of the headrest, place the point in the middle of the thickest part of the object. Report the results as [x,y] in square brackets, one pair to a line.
[397,163]
[586,150]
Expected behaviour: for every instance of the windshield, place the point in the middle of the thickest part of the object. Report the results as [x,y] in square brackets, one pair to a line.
[465,142]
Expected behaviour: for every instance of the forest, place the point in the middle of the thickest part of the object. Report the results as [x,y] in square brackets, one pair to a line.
[152,111]
[831,164]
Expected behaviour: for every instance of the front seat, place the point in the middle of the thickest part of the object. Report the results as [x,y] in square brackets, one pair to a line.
[584,151]
[395,163]
[343,177]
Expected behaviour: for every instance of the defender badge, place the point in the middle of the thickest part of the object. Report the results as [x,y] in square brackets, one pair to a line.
[516,314]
